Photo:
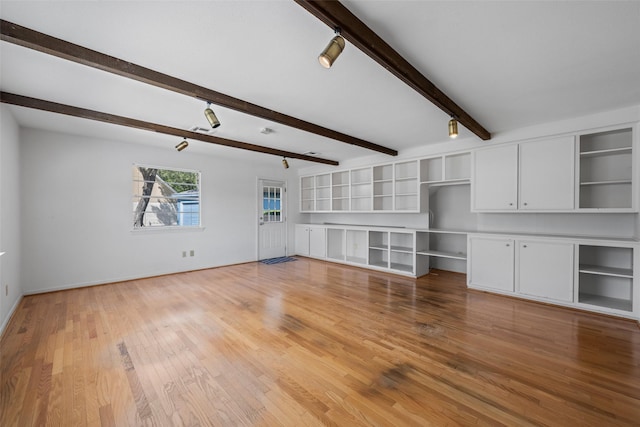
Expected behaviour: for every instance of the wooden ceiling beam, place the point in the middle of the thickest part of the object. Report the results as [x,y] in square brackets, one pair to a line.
[335,15]
[22,36]
[54,107]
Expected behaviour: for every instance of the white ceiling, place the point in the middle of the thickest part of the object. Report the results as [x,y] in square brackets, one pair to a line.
[509,64]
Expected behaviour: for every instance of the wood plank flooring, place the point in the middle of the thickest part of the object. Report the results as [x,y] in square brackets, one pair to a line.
[309,343]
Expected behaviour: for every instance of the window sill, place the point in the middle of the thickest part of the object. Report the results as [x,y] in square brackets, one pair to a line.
[155,230]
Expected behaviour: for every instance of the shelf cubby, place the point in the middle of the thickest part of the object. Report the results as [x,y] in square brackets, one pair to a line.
[336,244]
[606,277]
[356,246]
[605,170]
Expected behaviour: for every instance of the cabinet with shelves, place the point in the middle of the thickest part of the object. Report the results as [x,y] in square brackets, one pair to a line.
[606,277]
[361,189]
[406,186]
[356,246]
[402,252]
[323,192]
[307,193]
[383,187]
[594,274]
[379,249]
[336,244]
[447,169]
[340,191]
[606,170]
[446,249]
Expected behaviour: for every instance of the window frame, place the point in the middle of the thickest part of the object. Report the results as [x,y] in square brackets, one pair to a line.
[164,228]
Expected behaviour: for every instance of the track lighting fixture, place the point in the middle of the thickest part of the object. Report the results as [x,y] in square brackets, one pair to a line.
[453,128]
[184,144]
[211,116]
[285,164]
[332,51]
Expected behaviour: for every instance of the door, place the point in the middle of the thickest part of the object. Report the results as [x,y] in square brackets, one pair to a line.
[546,269]
[491,263]
[547,178]
[272,225]
[494,185]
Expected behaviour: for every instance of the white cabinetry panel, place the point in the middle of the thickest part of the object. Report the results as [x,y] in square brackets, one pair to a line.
[494,184]
[547,177]
[545,269]
[491,263]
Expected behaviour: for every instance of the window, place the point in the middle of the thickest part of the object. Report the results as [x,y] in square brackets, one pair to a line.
[271,204]
[165,197]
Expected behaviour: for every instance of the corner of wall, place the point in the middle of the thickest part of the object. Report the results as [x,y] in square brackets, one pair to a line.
[11,291]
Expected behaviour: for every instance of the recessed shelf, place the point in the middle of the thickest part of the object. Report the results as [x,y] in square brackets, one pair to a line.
[607,302]
[616,182]
[610,151]
[606,271]
[404,249]
[401,267]
[443,254]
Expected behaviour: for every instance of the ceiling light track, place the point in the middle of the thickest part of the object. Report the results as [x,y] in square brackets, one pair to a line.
[54,107]
[356,32]
[22,36]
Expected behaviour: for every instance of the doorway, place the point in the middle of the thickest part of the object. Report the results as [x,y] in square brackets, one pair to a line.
[272,221]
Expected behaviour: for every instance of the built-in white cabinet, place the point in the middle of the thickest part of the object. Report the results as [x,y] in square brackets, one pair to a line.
[310,240]
[589,273]
[545,269]
[606,171]
[546,174]
[491,263]
[531,176]
[494,181]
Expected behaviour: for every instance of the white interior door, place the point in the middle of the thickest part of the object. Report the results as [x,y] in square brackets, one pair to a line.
[272,223]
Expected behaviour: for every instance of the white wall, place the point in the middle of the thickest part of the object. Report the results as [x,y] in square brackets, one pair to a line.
[9,215]
[77,219]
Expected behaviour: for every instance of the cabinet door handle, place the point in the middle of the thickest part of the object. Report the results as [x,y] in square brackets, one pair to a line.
[524,246]
[510,204]
[525,203]
[507,245]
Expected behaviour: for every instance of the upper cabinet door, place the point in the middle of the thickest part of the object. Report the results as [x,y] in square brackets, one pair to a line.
[547,174]
[494,185]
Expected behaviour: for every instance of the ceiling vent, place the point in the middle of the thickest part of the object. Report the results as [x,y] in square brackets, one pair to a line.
[200,129]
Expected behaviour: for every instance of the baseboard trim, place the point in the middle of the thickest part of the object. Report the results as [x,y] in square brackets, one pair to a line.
[6,321]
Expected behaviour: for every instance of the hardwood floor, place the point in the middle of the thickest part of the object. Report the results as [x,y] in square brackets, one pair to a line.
[312,343]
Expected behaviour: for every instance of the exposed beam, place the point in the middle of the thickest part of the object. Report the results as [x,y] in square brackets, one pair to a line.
[22,36]
[334,14]
[54,107]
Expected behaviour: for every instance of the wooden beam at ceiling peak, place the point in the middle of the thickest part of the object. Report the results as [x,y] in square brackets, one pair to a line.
[54,107]
[22,36]
[335,15]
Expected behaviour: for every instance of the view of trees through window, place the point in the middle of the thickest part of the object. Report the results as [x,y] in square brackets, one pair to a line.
[165,197]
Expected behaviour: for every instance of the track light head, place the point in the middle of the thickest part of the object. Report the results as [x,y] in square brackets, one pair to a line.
[211,116]
[453,128]
[184,144]
[285,164]
[332,51]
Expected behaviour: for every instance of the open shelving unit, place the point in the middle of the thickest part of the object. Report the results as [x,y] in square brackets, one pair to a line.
[379,249]
[361,189]
[335,244]
[383,188]
[606,277]
[323,192]
[401,255]
[340,191]
[606,162]
[448,169]
[356,246]
[406,186]
[307,194]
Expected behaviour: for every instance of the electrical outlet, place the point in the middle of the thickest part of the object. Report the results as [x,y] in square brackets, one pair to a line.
[192,253]
[184,254]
